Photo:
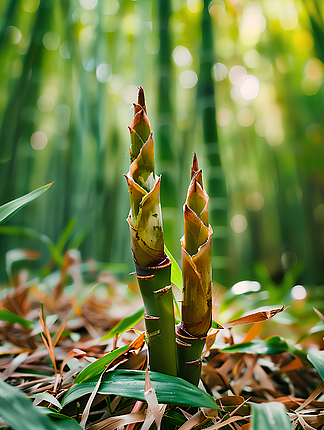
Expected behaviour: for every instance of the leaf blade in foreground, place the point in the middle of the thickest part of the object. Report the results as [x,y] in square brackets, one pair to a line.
[14,319]
[317,360]
[268,416]
[9,209]
[98,366]
[125,324]
[271,345]
[19,412]
[176,274]
[131,383]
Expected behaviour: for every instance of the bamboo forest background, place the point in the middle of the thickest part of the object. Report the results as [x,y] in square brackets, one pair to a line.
[238,82]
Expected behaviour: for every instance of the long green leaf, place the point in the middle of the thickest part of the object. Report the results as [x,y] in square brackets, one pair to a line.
[19,412]
[15,319]
[131,383]
[125,324]
[176,274]
[94,369]
[48,398]
[271,345]
[269,416]
[60,422]
[317,360]
[9,209]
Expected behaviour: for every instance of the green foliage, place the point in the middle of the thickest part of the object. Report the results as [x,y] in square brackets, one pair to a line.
[317,360]
[19,412]
[267,416]
[271,345]
[130,383]
[14,319]
[9,209]
[97,367]
[125,324]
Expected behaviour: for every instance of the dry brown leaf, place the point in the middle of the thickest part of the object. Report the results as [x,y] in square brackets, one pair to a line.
[318,390]
[154,411]
[253,332]
[113,423]
[196,420]
[254,317]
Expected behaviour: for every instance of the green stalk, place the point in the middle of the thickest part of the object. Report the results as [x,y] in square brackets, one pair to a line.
[216,185]
[153,266]
[196,276]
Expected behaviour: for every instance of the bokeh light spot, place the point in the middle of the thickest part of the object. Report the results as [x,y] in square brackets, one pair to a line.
[298,292]
[252,8]
[195,6]
[104,72]
[88,4]
[220,71]
[51,40]
[181,56]
[276,135]
[288,19]
[38,140]
[14,34]
[311,86]
[314,68]
[30,5]
[46,103]
[224,117]
[64,51]
[245,287]
[289,260]
[245,117]
[319,213]
[254,201]
[252,59]
[152,44]
[303,41]
[254,23]
[238,223]
[131,24]
[110,7]
[249,87]
[129,94]
[263,127]
[236,74]
[188,79]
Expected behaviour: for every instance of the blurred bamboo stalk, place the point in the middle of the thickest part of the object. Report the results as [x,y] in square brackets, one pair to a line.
[153,267]
[166,157]
[216,184]
[196,247]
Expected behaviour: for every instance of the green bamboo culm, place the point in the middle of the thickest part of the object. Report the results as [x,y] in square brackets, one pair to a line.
[153,266]
[196,276]
[216,184]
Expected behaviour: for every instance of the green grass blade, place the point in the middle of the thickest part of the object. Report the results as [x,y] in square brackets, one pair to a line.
[317,360]
[131,383]
[125,324]
[14,319]
[94,369]
[272,345]
[48,398]
[176,274]
[19,412]
[268,416]
[9,209]
[60,421]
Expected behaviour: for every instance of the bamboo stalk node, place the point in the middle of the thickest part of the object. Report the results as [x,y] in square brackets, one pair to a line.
[162,291]
[150,317]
